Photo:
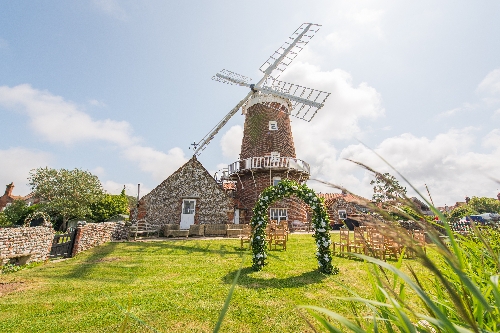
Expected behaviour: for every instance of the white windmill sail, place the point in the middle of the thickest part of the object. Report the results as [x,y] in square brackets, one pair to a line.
[304,102]
[283,56]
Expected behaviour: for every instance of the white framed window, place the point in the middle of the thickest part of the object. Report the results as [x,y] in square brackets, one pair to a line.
[273,125]
[278,214]
[188,206]
[276,180]
[343,214]
[275,157]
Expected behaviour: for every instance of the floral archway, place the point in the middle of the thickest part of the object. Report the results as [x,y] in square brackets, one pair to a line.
[36,215]
[320,220]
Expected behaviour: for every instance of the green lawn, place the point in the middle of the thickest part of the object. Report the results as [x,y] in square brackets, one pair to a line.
[176,286]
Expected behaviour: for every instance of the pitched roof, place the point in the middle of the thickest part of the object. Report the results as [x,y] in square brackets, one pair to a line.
[229,185]
[349,197]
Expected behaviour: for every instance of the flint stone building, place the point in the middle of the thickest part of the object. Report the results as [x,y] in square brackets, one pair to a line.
[189,196]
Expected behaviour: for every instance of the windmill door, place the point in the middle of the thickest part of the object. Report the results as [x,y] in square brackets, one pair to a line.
[187,215]
[236,216]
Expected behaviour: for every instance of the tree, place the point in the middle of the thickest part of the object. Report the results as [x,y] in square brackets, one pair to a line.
[387,188]
[67,193]
[4,221]
[18,211]
[484,205]
[475,206]
[109,205]
[461,211]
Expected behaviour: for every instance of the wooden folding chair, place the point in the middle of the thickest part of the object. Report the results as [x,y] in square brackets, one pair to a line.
[393,244]
[359,245]
[419,238]
[246,235]
[344,241]
[279,237]
[377,245]
[270,235]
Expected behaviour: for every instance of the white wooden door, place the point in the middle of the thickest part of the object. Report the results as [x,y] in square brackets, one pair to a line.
[236,216]
[187,214]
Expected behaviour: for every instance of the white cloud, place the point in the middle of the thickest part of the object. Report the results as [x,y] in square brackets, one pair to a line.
[464,108]
[111,7]
[95,102]
[492,140]
[98,171]
[231,142]
[339,118]
[60,121]
[113,187]
[154,162]
[16,164]
[445,163]
[354,25]
[491,83]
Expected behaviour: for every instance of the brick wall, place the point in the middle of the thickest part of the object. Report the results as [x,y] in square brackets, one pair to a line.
[258,140]
[163,205]
[250,187]
[33,241]
[94,234]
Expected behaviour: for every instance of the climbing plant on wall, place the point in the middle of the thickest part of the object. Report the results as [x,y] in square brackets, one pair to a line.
[320,220]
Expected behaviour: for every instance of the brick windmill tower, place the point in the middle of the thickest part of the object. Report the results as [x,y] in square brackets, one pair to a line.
[267,150]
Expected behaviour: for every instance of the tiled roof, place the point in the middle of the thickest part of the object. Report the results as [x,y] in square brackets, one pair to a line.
[349,197]
[229,185]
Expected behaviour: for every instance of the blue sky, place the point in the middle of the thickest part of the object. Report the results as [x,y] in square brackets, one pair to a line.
[121,88]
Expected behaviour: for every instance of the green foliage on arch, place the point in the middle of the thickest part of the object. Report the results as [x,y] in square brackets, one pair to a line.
[36,215]
[320,220]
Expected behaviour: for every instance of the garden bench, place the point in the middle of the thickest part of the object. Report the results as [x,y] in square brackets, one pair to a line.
[234,230]
[142,227]
[20,258]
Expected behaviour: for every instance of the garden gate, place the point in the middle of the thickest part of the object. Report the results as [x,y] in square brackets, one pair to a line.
[62,245]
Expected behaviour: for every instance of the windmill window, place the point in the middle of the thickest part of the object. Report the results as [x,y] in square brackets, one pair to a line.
[278,214]
[273,125]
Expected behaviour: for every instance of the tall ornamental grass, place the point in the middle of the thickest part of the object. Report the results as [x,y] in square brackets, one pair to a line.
[462,294]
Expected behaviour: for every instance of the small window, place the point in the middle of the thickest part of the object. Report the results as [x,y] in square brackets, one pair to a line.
[273,125]
[275,157]
[188,207]
[276,180]
[278,214]
[342,215]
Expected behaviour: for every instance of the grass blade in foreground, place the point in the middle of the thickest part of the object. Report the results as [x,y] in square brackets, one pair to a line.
[228,298]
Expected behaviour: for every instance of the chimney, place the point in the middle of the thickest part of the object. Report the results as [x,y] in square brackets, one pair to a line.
[9,189]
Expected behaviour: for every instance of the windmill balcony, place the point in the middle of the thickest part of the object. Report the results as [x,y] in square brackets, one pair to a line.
[268,162]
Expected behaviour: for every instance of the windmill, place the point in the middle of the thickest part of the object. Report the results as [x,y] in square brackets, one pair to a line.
[267,149]
[303,102]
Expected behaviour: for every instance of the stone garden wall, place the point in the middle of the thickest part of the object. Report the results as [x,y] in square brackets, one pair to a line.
[94,234]
[25,245]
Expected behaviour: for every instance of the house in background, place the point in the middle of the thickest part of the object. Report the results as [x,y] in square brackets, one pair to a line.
[346,208]
[7,198]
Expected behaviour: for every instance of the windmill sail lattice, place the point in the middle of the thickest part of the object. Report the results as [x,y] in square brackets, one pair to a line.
[283,56]
[303,102]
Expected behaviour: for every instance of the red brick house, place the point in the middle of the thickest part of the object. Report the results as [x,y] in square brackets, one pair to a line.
[7,198]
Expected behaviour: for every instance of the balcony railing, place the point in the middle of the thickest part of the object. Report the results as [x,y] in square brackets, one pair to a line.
[268,162]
